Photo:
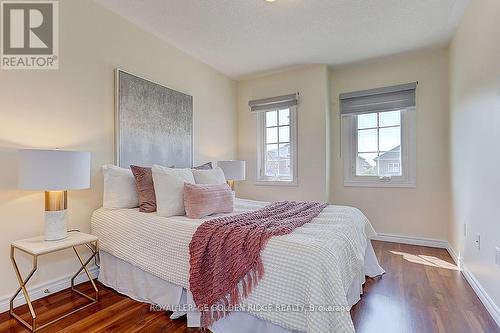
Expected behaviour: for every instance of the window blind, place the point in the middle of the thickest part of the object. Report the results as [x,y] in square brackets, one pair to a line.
[379,99]
[274,103]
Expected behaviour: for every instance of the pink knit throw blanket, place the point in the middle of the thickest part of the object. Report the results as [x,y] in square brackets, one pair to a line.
[225,253]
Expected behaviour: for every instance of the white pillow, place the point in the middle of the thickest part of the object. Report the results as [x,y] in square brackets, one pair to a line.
[169,189]
[213,176]
[119,188]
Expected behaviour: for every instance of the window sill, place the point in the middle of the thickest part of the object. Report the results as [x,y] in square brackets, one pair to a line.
[365,183]
[275,183]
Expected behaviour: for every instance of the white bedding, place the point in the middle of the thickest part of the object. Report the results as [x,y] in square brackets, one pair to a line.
[314,265]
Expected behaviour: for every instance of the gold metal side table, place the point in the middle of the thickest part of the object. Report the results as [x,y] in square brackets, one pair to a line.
[38,246]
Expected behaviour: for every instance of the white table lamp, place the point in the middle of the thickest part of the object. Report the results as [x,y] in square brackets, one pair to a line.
[233,170]
[55,172]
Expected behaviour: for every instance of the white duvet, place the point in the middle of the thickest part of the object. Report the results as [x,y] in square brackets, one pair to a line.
[312,267]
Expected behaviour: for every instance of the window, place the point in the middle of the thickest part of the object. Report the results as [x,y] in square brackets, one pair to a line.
[277,146]
[276,139]
[379,146]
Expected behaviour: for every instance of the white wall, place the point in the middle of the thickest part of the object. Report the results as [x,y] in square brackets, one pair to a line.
[475,138]
[312,84]
[422,211]
[73,108]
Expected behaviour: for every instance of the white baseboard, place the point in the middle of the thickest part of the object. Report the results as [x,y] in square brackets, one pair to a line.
[52,286]
[488,303]
[412,240]
[454,256]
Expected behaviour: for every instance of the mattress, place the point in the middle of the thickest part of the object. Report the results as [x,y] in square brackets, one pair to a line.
[315,265]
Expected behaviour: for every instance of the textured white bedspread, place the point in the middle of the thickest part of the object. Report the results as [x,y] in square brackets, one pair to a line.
[312,267]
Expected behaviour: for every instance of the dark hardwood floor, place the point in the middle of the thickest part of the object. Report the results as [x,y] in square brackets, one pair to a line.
[421,292]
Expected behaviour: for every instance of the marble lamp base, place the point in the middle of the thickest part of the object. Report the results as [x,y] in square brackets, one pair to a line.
[55,215]
[55,225]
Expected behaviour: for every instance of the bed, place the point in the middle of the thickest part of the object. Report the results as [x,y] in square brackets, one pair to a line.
[312,276]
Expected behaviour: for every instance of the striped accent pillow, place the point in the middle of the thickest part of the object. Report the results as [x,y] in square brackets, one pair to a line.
[204,200]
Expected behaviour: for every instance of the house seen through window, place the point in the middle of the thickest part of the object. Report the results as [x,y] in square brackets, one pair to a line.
[379,144]
[277,138]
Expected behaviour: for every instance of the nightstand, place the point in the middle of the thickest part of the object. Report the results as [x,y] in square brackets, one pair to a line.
[38,246]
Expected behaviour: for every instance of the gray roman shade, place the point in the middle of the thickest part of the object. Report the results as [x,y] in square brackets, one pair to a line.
[273,103]
[379,99]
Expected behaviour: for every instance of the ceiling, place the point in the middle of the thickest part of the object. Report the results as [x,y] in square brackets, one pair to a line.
[246,37]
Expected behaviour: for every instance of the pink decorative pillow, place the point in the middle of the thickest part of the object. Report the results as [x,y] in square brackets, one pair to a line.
[145,188]
[203,200]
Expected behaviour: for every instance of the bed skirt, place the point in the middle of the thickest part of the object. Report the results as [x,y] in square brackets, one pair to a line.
[142,286]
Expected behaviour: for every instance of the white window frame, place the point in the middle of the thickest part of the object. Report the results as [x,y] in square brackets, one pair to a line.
[262,178]
[408,164]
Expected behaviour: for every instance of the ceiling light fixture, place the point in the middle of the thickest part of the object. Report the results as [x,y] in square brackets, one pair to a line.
[269,0]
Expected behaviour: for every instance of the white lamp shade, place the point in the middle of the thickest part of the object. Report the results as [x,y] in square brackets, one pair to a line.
[233,170]
[53,170]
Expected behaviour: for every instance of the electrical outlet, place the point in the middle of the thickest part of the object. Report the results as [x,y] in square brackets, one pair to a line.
[46,291]
[497,256]
[478,241]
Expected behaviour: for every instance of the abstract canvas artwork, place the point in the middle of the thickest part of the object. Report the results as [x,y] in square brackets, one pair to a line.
[154,124]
